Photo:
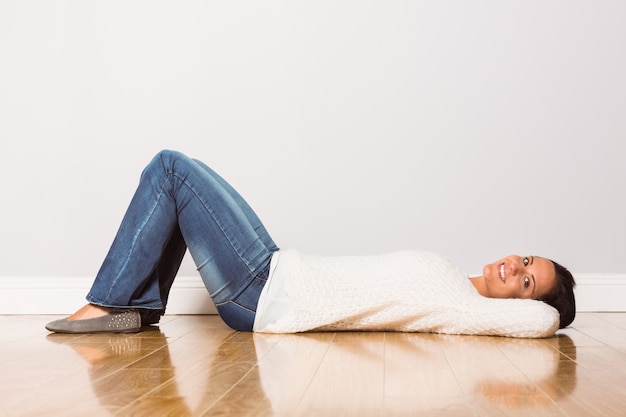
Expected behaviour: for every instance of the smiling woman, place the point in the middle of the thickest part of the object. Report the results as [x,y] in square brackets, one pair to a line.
[517,277]
[182,204]
[530,277]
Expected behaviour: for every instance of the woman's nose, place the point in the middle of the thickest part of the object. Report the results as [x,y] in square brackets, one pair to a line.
[514,268]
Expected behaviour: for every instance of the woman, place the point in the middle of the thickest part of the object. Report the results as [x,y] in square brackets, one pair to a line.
[181,203]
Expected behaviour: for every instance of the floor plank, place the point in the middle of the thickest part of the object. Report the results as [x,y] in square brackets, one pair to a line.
[197,366]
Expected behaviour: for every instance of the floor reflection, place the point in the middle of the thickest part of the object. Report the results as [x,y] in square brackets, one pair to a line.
[135,375]
[220,371]
[113,382]
[415,372]
[546,374]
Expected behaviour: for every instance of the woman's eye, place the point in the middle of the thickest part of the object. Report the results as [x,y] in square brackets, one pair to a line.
[526,282]
[526,261]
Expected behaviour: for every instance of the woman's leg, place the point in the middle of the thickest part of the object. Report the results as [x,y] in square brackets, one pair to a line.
[163,274]
[181,203]
[253,219]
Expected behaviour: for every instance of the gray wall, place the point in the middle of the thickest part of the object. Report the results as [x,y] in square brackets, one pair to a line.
[476,129]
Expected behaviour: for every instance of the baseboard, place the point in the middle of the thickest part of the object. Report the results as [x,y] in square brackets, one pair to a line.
[52,295]
[600,292]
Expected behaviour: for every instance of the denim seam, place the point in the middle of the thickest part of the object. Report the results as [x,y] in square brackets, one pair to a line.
[254,278]
[235,303]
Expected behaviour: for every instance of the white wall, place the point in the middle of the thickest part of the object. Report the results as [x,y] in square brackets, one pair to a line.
[476,129]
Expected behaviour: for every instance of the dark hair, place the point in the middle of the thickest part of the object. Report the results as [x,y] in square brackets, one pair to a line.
[562,296]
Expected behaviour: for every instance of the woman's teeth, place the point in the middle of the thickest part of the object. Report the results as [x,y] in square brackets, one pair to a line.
[502,276]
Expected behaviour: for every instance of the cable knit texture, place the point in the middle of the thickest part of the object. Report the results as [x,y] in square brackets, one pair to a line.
[409,291]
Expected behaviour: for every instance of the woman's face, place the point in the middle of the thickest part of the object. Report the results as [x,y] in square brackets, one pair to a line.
[519,277]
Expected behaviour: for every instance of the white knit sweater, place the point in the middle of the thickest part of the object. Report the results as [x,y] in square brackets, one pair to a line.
[409,291]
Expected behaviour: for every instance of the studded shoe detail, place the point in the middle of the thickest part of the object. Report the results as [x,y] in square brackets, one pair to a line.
[127,321]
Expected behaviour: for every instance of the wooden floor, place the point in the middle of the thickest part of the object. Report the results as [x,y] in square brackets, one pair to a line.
[196,366]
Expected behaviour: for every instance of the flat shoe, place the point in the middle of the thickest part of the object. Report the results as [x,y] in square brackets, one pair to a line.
[128,321]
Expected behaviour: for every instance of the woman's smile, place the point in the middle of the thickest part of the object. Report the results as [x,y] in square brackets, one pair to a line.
[517,277]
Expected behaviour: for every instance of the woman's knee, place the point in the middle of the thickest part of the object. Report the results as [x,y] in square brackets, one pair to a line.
[168,161]
[169,157]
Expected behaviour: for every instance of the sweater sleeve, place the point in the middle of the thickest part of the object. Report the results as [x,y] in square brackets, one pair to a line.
[504,317]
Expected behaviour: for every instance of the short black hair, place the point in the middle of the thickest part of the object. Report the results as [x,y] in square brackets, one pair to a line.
[562,296]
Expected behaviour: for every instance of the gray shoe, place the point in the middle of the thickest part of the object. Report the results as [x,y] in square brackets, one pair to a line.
[128,321]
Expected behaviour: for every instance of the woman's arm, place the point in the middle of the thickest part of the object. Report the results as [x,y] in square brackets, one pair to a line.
[505,317]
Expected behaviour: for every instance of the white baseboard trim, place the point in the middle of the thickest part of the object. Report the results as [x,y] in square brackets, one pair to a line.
[52,295]
[600,292]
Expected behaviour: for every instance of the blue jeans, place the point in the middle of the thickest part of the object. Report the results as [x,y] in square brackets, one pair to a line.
[181,203]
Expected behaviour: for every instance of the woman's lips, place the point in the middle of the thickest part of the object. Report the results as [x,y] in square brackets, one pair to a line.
[502,274]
